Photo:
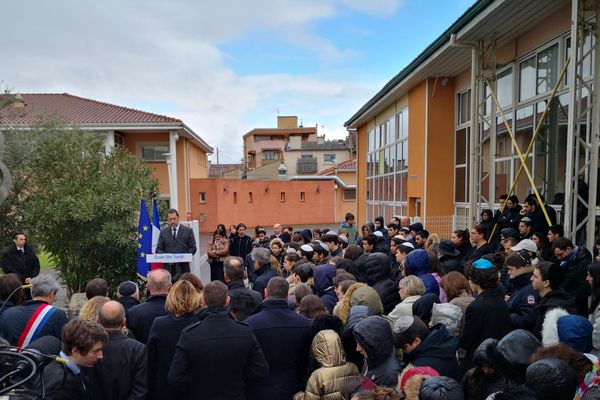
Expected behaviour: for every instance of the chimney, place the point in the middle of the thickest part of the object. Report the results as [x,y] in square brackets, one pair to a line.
[287,122]
[17,101]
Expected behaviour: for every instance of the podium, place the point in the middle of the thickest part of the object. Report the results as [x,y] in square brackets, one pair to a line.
[168,258]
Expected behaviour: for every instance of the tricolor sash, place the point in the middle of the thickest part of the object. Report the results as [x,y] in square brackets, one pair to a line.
[35,324]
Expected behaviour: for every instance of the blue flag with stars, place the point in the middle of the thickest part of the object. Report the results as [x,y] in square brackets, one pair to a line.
[144,240]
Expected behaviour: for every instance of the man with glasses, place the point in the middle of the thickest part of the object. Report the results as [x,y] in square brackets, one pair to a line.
[574,261]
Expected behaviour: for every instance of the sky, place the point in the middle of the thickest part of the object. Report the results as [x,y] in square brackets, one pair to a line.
[223,67]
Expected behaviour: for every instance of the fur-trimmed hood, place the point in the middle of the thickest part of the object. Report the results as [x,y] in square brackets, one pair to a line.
[360,294]
[550,326]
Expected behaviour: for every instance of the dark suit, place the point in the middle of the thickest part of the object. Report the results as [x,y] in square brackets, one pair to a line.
[141,317]
[25,264]
[184,242]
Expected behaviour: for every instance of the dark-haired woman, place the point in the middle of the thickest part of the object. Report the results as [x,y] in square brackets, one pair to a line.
[218,250]
[544,249]
[487,316]
[11,293]
[593,278]
[460,241]
[546,280]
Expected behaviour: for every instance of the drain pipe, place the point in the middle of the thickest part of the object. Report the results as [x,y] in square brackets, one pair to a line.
[474,132]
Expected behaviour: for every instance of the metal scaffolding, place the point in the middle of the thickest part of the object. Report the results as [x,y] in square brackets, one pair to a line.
[583,128]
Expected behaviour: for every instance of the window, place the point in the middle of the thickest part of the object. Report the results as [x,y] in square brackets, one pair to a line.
[250,199]
[155,152]
[271,155]
[527,79]
[119,140]
[464,107]
[202,197]
[329,158]
[282,197]
[547,69]
[349,196]
[302,196]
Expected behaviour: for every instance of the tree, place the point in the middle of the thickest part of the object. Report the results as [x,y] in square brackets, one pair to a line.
[83,206]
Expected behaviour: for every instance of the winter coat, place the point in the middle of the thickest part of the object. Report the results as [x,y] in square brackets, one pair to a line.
[61,383]
[163,338]
[26,264]
[417,262]
[240,246]
[462,301]
[475,253]
[555,299]
[404,308]
[327,382]
[374,334]
[423,307]
[441,388]
[551,379]
[141,317]
[360,294]
[522,303]
[238,286]
[285,338]
[14,320]
[575,269]
[217,358]
[128,302]
[263,276]
[510,218]
[375,271]
[451,263]
[478,324]
[123,371]
[357,314]
[514,351]
[476,384]
[324,288]
[438,351]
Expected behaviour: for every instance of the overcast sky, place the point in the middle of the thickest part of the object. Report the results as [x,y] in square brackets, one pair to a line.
[223,67]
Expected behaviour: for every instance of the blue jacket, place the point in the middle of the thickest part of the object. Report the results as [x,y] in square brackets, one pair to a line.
[14,320]
[418,264]
[285,338]
[522,303]
[438,351]
[323,278]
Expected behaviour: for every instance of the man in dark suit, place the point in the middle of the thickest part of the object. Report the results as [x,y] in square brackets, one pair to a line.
[175,239]
[20,259]
[141,317]
[217,358]
[279,233]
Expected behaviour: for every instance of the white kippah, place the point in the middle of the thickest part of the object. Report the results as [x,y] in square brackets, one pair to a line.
[324,246]
[306,248]
[378,233]
[403,323]
[408,244]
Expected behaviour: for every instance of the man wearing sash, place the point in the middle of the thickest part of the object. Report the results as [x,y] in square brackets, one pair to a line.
[35,318]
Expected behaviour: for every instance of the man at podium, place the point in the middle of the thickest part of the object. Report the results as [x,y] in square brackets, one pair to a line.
[176,239]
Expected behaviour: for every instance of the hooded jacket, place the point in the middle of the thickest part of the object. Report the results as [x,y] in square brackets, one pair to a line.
[417,262]
[376,267]
[327,381]
[360,294]
[514,351]
[357,314]
[551,379]
[555,299]
[438,351]
[441,388]
[323,278]
[477,385]
[374,334]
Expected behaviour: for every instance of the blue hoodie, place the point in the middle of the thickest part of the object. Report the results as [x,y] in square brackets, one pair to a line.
[418,265]
[323,278]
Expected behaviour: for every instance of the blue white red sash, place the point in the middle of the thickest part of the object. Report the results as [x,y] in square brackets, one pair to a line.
[35,324]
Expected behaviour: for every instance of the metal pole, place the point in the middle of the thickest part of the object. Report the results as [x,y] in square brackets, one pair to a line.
[572,116]
[593,169]
[474,136]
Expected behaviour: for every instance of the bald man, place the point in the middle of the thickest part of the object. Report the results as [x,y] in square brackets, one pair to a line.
[123,372]
[141,317]
[279,233]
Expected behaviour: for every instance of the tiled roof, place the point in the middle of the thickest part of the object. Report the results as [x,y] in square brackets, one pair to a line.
[328,145]
[78,110]
[348,165]
[216,170]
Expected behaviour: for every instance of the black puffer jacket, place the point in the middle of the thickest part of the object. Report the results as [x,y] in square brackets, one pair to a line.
[551,379]
[441,388]
[478,385]
[555,299]
[514,351]
[376,273]
[438,351]
[374,334]
[575,283]
[522,302]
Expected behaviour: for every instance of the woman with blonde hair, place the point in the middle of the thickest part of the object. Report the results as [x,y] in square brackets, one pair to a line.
[182,301]
[433,239]
[89,311]
[410,288]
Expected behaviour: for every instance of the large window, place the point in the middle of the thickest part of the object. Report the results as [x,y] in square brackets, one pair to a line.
[154,152]
[387,167]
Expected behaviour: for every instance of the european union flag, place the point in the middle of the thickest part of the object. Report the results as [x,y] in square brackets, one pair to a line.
[144,240]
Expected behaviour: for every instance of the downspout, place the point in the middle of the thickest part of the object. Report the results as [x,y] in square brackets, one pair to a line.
[472,212]
[595,141]
[173,138]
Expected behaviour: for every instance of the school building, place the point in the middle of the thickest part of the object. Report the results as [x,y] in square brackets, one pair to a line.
[510,83]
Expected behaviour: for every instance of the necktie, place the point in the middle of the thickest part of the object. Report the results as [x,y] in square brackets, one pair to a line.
[174,233]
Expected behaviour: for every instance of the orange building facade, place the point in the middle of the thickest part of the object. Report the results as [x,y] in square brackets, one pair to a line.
[413,137]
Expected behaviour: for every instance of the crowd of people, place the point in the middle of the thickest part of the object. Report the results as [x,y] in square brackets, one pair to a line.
[508,309]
